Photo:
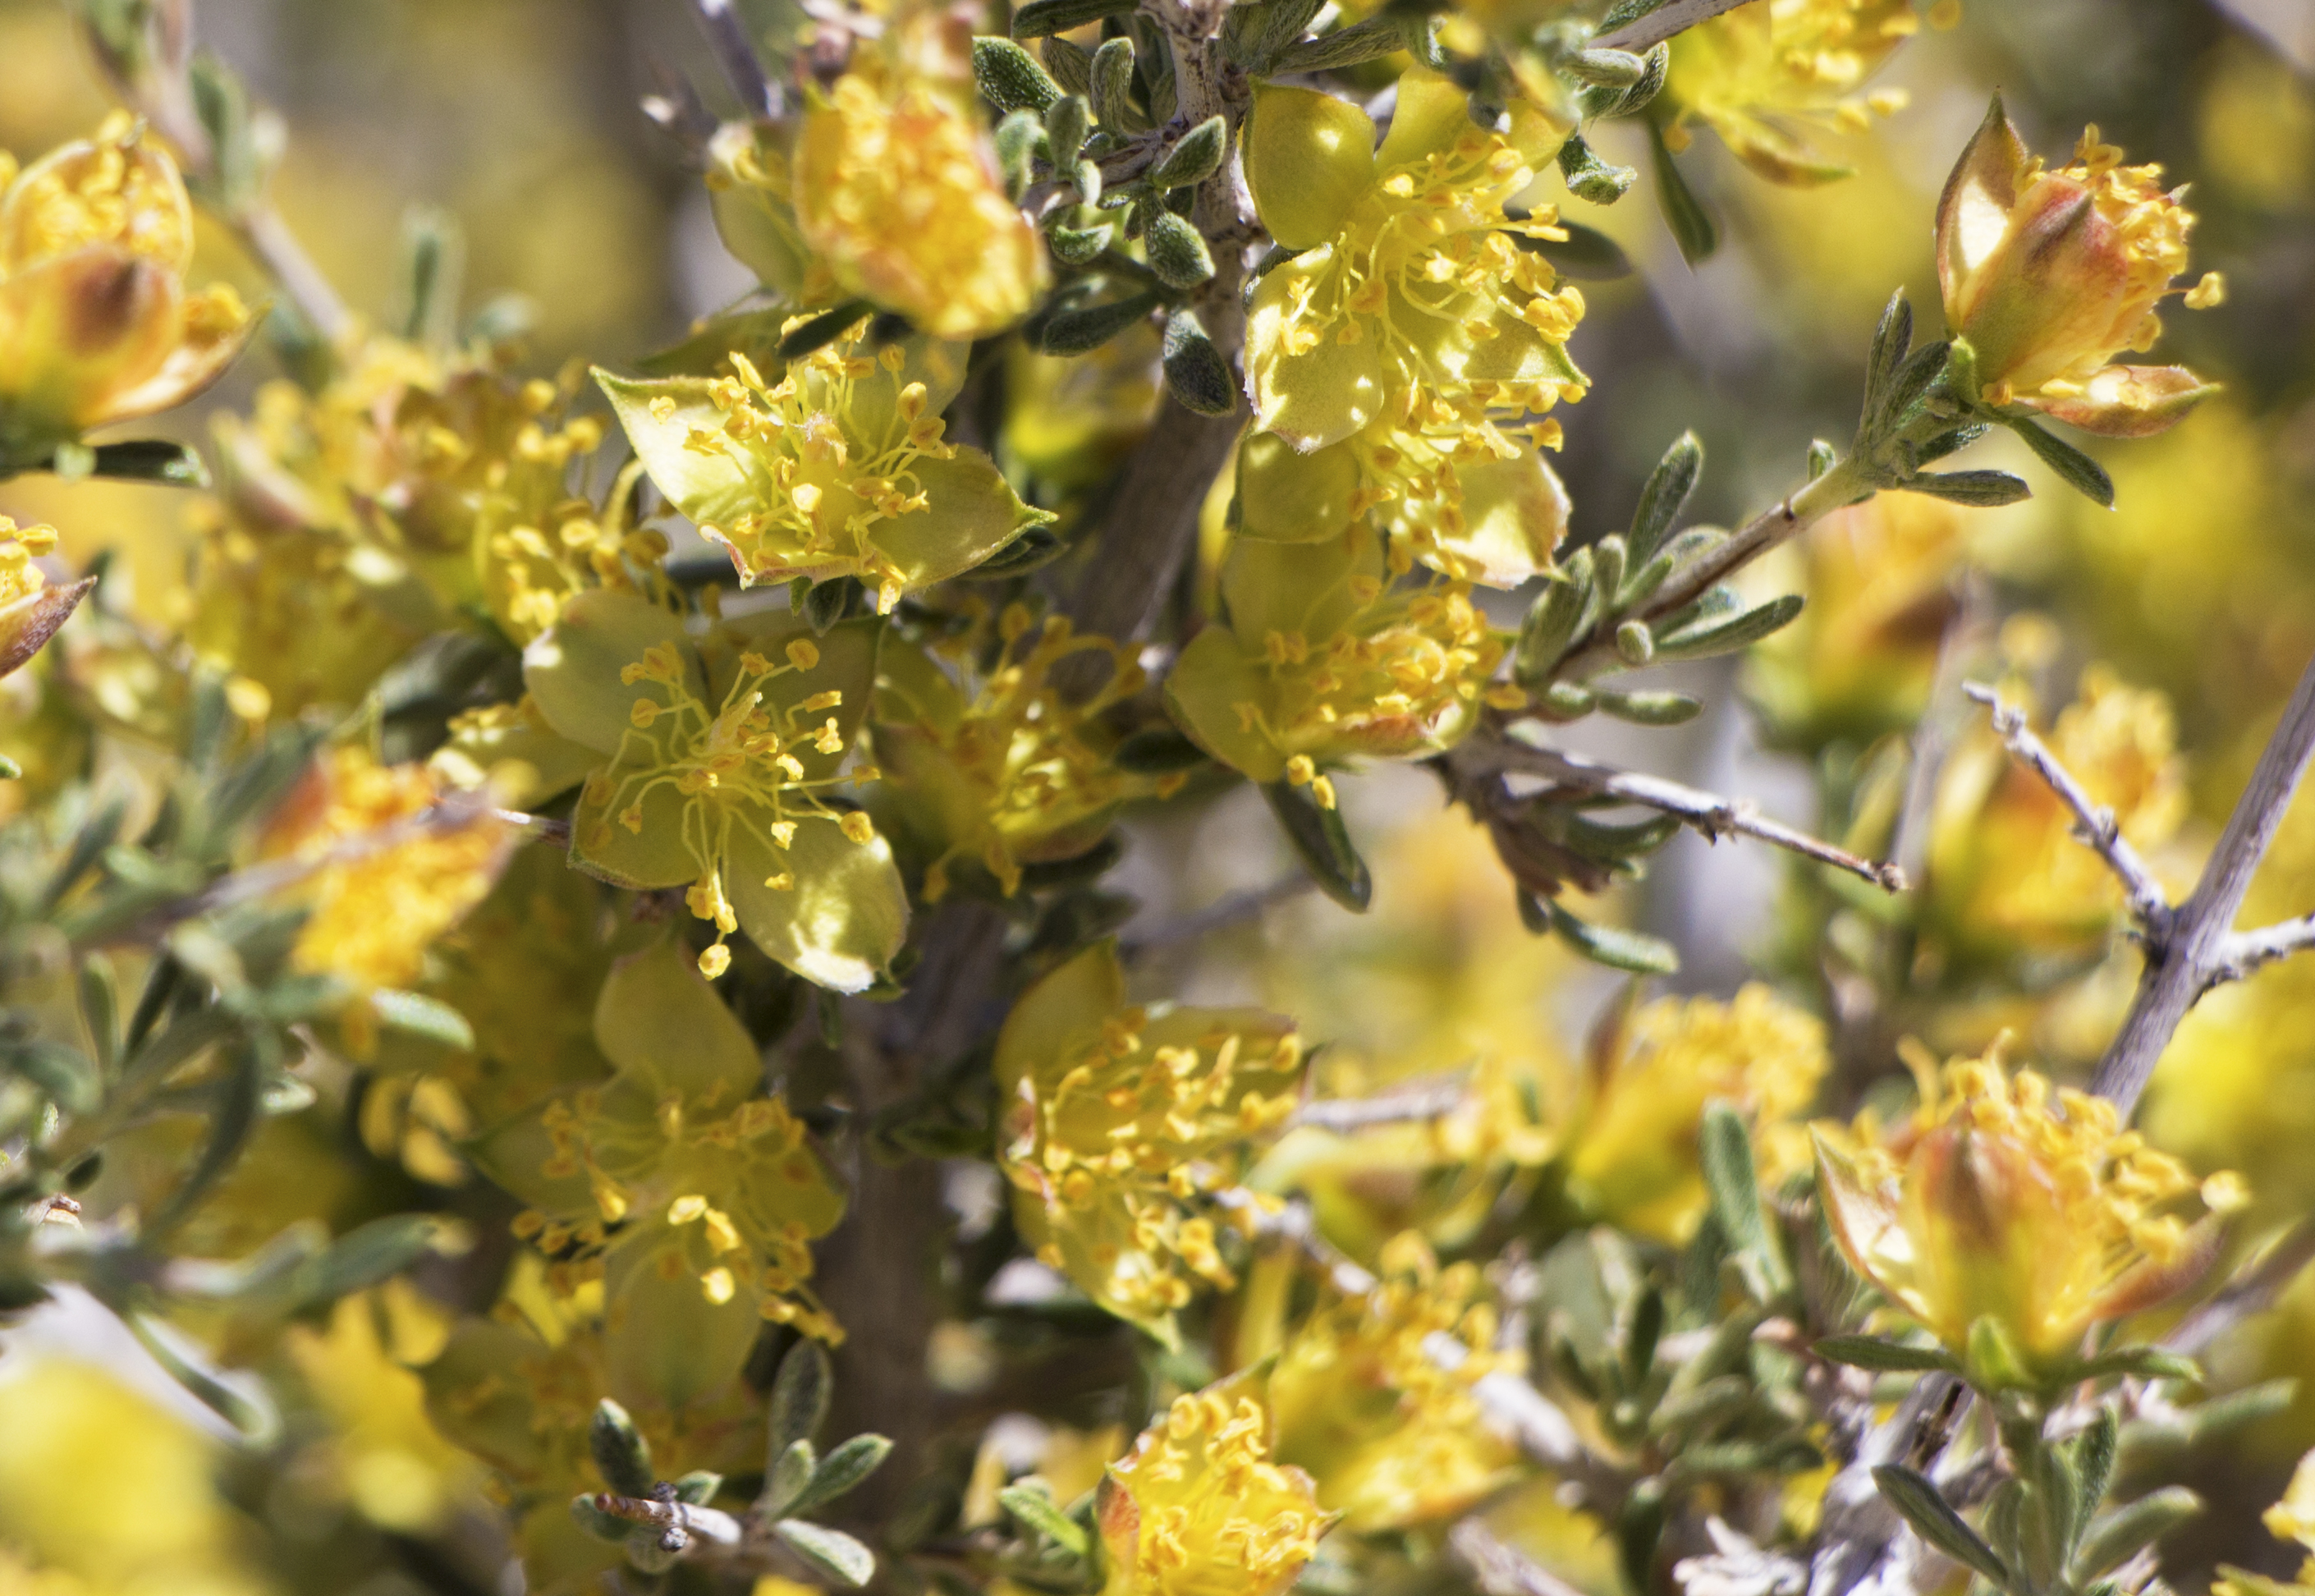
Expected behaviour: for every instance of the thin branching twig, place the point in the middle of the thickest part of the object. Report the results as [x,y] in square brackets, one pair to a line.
[1676,16]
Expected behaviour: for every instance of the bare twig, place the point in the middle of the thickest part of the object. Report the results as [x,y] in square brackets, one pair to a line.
[735,53]
[1410,1105]
[2252,1291]
[1230,909]
[1710,814]
[2200,947]
[1965,638]
[2245,951]
[687,1526]
[1677,16]
[1499,1568]
[2094,822]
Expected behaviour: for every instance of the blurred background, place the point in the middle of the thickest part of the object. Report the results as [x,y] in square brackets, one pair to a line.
[519,119]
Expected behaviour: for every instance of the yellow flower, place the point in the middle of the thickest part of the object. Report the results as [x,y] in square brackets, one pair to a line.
[103,1493]
[1120,1120]
[1632,1156]
[836,470]
[1389,1438]
[517,1389]
[1320,662]
[30,611]
[96,324]
[1858,663]
[1199,1509]
[394,871]
[1996,1204]
[999,767]
[382,1452]
[1466,498]
[693,1197]
[2048,275]
[1070,421]
[715,764]
[2291,1519]
[1408,300]
[2006,874]
[1750,74]
[895,187]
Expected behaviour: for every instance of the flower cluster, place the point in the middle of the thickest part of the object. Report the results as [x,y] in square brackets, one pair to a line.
[838,469]
[97,324]
[1389,1437]
[999,767]
[1320,662]
[2002,1204]
[2049,274]
[1121,1119]
[692,1198]
[1199,1506]
[720,768]
[1750,74]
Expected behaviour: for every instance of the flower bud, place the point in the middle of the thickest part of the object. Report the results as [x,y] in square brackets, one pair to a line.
[2049,274]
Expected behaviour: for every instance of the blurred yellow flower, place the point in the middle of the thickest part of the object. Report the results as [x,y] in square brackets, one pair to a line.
[1751,74]
[96,324]
[394,868]
[895,187]
[1632,1156]
[2050,274]
[1995,1202]
[1198,1508]
[1858,663]
[1388,1437]
[104,1493]
[999,765]
[30,611]
[1118,1120]
[381,1447]
[2007,878]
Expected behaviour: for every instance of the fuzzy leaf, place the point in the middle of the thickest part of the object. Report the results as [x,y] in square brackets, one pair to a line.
[1933,1519]
[830,1551]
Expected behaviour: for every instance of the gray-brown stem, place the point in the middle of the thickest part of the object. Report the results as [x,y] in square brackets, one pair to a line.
[2197,950]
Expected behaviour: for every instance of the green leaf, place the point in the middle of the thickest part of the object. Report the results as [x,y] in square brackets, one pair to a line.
[709,348]
[236,174]
[2251,1405]
[1038,546]
[1560,614]
[416,1014]
[1632,951]
[368,1253]
[65,1076]
[150,460]
[1370,41]
[1042,17]
[622,1455]
[1036,1511]
[1933,1519]
[2121,1535]
[1009,77]
[232,1118]
[1158,750]
[821,330]
[1586,254]
[1111,91]
[843,1469]
[1590,178]
[1177,250]
[1665,495]
[1651,709]
[1692,224]
[789,1479]
[1893,340]
[801,1392]
[698,1487]
[1195,157]
[1726,633]
[2094,1453]
[2143,1362]
[595,1522]
[1884,1357]
[1725,1148]
[10,770]
[830,1551]
[1323,844]
[1195,372]
[2076,469]
[1081,331]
